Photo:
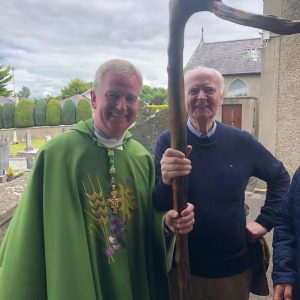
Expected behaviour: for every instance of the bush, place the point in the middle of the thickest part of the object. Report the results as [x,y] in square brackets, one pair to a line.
[10,173]
[40,109]
[83,110]
[8,115]
[68,114]
[53,113]
[1,119]
[24,114]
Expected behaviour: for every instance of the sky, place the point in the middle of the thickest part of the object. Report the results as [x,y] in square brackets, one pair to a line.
[49,43]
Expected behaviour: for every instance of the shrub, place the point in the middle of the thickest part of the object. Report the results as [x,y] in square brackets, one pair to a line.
[8,115]
[68,114]
[53,113]
[1,119]
[83,110]
[40,109]
[10,173]
[24,114]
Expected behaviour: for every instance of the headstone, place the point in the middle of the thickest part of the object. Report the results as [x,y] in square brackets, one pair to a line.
[15,139]
[29,161]
[47,138]
[4,154]
[28,141]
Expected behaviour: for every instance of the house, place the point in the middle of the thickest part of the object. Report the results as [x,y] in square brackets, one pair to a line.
[267,81]
[240,64]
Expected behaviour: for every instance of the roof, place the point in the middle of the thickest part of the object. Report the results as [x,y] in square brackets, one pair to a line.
[75,99]
[226,57]
[4,100]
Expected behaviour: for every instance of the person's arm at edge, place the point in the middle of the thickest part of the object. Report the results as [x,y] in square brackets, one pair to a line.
[284,248]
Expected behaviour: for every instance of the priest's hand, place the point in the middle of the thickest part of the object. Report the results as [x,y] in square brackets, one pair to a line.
[182,224]
[174,164]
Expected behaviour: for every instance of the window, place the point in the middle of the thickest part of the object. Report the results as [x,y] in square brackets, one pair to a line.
[237,88]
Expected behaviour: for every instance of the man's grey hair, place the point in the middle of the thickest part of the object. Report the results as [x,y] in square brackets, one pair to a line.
[117,67]
[219,75]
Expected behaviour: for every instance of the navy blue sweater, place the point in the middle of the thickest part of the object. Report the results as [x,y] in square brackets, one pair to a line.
[286,242]
[221,167]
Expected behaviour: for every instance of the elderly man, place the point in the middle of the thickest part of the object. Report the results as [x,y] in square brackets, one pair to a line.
[85,228]
[220,161]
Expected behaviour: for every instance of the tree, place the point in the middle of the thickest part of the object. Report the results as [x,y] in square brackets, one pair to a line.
[148,93]
[40,109]
[53,113]
[24,114]
[24,92]
[69,113]
[5,77]
[74,87]
[83,110]
[8,115]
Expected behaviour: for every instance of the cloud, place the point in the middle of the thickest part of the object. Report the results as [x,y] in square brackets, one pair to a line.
[50,43]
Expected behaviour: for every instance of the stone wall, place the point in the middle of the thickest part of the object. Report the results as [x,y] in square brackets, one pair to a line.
[147,131]
[36,132]
[280,100]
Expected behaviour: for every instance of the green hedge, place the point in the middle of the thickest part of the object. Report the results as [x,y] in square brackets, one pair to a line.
[68,114]
[40,109]
[53,113]
[1,119]
[8,115]
[83,110]
[24,114]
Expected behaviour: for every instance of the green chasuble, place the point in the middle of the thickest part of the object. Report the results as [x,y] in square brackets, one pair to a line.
[71,238]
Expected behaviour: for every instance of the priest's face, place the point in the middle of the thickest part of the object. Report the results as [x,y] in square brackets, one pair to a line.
[115,103]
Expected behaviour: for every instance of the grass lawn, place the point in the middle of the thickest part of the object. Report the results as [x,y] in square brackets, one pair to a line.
[36,144]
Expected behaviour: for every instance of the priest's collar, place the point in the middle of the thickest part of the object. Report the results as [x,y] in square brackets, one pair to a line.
[103,139]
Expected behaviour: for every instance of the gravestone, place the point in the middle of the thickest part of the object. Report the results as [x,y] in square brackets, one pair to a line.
[47,138]
[28,141]
[29,161]
[4,157]
[15,139]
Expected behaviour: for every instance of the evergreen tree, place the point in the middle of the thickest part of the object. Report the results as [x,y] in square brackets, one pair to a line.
[53,113]
[8,115]
[69,113]
[24,114]
[5,77]
[1,119]
[83,110]
[40,109]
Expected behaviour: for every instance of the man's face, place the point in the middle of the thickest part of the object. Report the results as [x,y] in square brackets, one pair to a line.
[203,95]
[115,103]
